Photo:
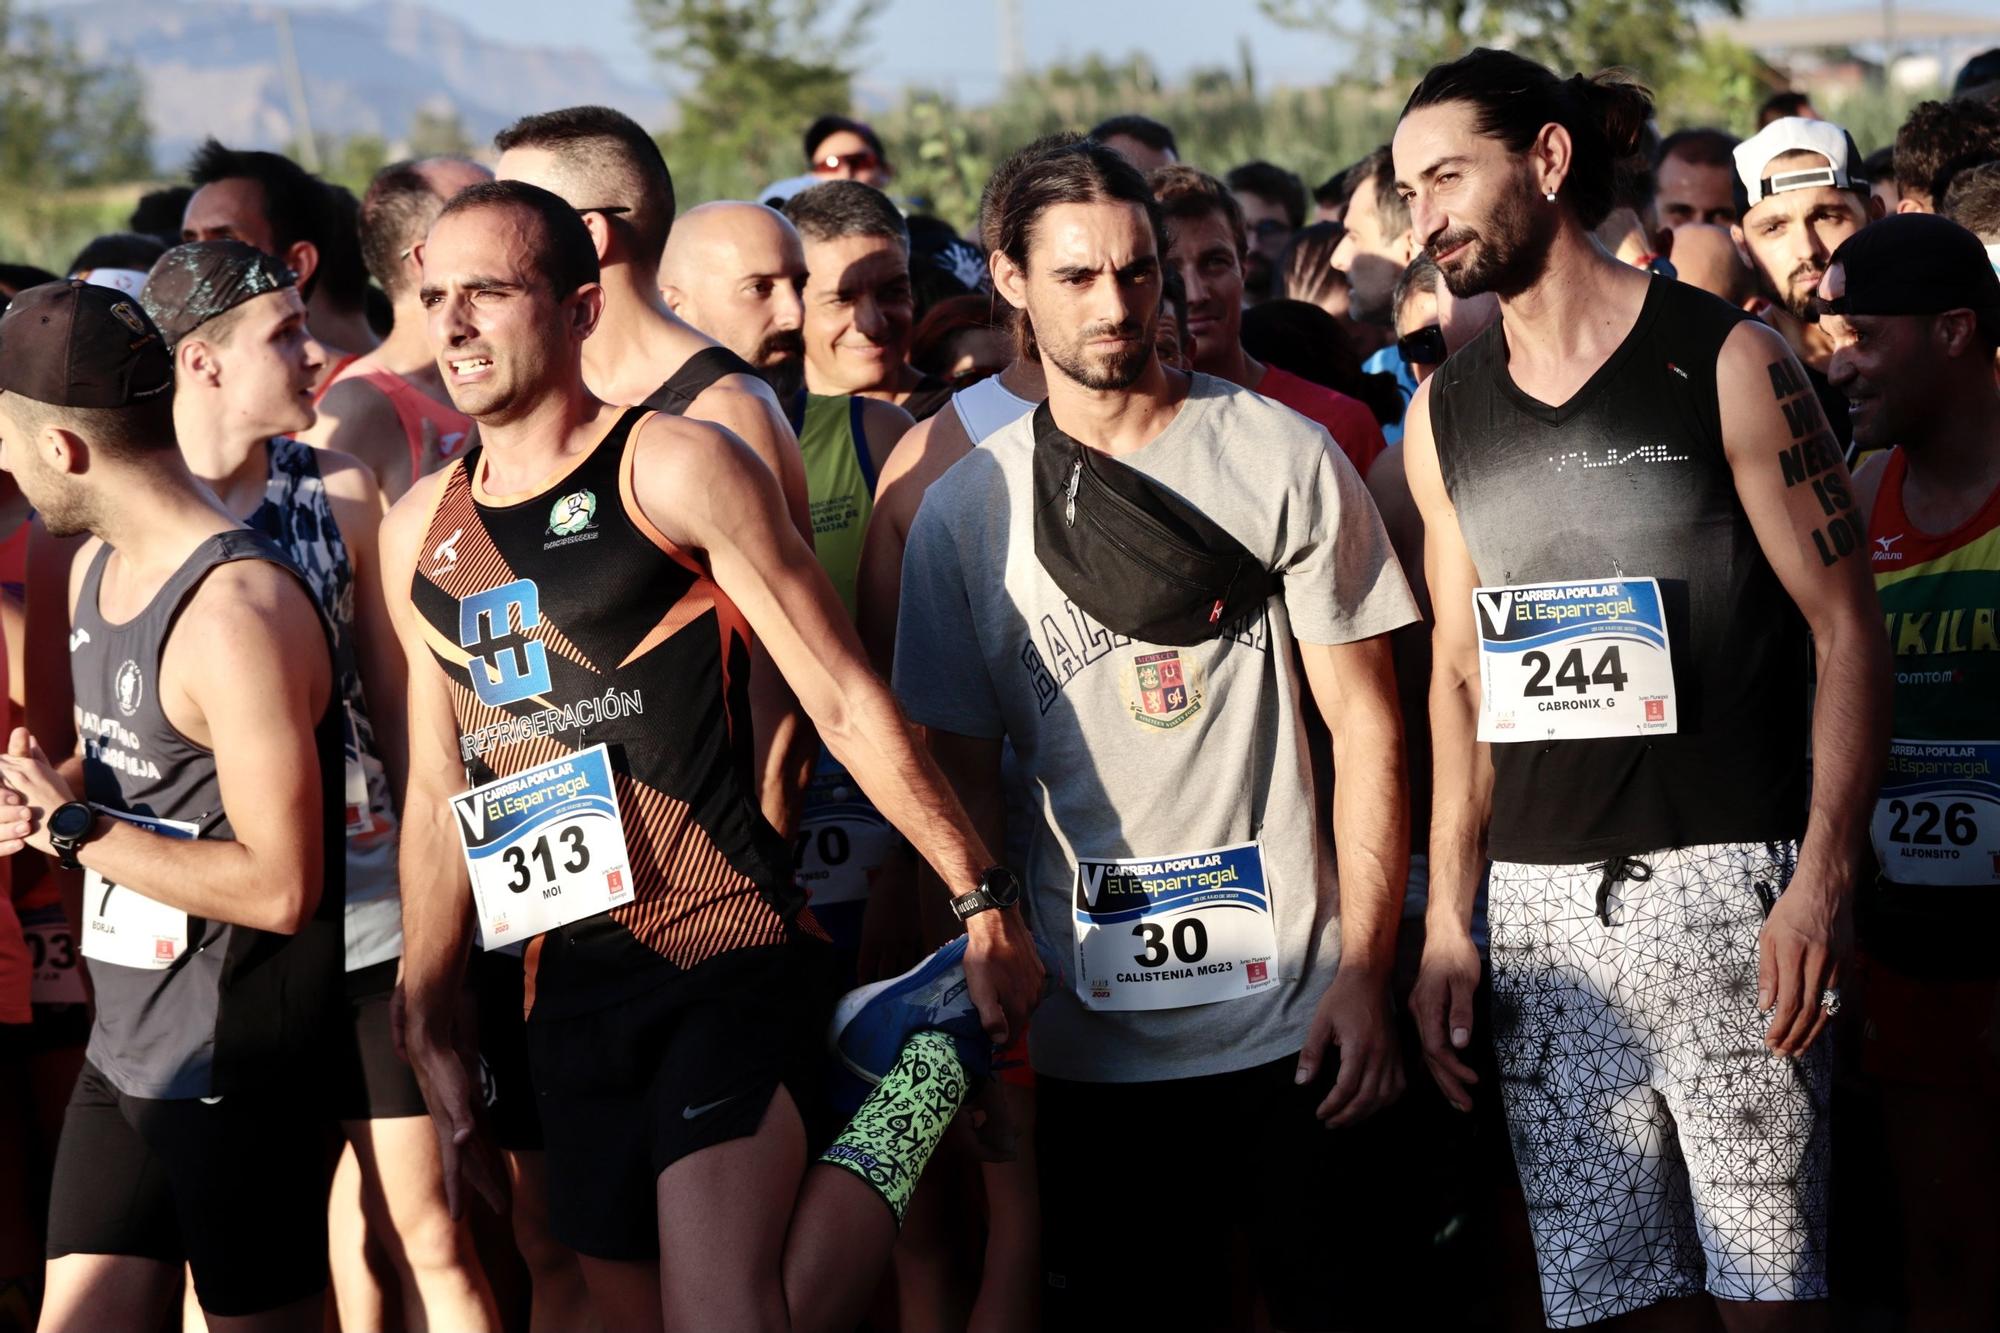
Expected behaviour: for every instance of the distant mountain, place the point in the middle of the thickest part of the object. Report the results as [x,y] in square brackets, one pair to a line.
[213,67]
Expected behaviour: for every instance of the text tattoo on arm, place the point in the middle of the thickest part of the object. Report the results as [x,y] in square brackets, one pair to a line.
[1814,458]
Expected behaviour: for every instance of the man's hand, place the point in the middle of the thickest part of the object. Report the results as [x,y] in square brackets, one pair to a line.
[1354,1016]
[445,1075]
[1003,973]
[34,789]
[1798,957]
[1442,1002]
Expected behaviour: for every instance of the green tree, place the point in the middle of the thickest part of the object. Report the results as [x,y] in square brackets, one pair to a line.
[63,121]
[1657,38]
[757,72]
[436,131]
[944,152]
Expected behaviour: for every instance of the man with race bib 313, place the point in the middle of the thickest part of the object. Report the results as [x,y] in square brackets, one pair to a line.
[580,592]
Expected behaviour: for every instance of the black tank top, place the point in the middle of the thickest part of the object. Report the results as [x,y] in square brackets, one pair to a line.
[699,371]
[237,1004]
[587,626]
[1629,479]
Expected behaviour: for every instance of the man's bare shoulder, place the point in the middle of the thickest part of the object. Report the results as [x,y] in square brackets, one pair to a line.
[926,452]
[403,526]
[734,397]
[1751,347]
[346,476]
[255,602]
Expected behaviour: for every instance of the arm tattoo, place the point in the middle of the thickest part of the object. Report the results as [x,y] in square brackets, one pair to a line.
[1814,457]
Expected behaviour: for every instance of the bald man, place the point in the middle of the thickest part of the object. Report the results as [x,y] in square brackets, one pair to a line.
[389,408]
[1706,257]
[735,271]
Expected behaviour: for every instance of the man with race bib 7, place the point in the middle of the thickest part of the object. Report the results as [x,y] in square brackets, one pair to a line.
[1913,311]
[210,837]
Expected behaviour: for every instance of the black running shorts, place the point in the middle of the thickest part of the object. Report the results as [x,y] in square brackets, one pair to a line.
[627,1091]
[236,1188]
[1206,1169]
[505,1086]
[370,1082]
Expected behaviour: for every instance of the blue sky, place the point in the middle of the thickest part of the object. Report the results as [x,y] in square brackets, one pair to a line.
[954,44]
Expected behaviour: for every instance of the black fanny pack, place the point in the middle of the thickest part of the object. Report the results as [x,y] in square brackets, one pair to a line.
[1138,558]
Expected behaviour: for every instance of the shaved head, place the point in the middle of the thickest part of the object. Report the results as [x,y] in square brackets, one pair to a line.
[717,233]
[735,271]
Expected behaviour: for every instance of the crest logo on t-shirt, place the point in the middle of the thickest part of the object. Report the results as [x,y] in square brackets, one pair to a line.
[1164,690]
[572,513]
[129,686]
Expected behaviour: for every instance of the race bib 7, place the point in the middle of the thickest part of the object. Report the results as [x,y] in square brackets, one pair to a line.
[1574,661]
[124,927]
[544,847]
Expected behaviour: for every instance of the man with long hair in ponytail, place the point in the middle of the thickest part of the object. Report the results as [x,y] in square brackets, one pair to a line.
[1634,512]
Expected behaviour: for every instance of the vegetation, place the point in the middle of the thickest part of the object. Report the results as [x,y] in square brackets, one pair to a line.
[74,143]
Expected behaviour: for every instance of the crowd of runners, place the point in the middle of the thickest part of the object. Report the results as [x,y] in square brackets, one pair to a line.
[1188,752]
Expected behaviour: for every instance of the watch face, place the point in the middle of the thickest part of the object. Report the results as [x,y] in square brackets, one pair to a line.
[1002,885]
[71,821]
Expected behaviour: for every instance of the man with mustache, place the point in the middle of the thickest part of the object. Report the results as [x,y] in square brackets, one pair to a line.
[1800,193]
[1634,513]
[734,271]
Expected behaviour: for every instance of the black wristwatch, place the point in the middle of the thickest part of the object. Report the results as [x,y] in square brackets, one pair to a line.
[998,887]
[69,827]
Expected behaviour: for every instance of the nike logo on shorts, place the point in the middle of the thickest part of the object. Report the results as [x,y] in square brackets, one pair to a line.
[697,1112]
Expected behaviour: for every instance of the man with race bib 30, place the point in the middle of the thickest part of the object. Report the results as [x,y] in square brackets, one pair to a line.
[1116,584]
[1912,307]
[1633,514]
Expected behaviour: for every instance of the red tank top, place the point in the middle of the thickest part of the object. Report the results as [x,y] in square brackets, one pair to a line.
[414,408]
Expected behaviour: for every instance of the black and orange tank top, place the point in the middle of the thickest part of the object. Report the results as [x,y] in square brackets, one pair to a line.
[565,620]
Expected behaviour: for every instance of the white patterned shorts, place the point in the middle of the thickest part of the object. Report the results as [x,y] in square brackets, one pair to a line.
[1663,1150]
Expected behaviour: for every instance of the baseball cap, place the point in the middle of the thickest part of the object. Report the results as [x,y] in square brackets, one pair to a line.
[72,344]
[1916,264]
[193,283]
[1796,134]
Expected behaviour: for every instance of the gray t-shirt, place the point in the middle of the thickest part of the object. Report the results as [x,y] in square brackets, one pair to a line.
[1137,751]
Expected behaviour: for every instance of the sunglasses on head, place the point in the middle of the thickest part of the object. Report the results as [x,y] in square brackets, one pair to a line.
[865,160]
[1423,346]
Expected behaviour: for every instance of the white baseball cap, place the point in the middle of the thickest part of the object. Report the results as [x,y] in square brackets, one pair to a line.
[1796,134]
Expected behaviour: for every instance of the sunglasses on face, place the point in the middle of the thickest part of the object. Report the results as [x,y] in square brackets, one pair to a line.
[1423,346]
[609,210]
[1266,228]
[864,160]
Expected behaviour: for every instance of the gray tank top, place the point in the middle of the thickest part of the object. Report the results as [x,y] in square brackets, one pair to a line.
[237,1003]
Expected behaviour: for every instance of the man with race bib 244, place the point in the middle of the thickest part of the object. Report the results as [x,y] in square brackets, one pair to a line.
[1633,514]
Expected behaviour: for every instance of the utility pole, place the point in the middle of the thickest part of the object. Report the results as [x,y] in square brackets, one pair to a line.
[1013,50]
[295,90]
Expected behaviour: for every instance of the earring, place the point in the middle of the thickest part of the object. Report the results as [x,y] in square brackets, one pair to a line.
[1550,196]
